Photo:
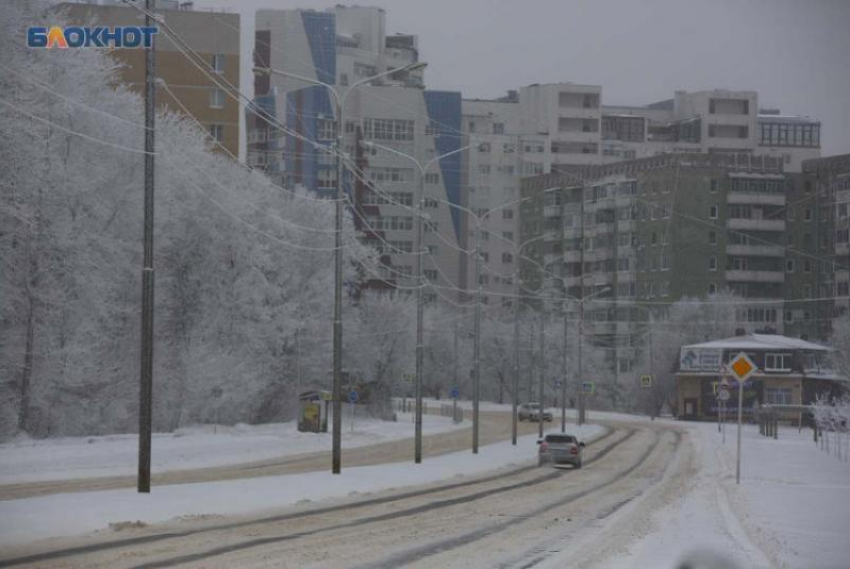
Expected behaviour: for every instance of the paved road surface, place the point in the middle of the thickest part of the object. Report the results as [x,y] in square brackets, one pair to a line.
[524,517]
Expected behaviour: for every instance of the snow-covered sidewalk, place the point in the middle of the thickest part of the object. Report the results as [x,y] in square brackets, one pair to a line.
[30,519]
[792,508]
[66,458]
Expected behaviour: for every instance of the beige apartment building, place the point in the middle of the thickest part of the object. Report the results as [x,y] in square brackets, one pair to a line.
[182,86]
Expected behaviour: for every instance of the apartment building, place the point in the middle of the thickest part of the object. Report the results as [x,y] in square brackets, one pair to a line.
[554,127]
[679,225]
[181,87]
[338,46]
[827,182]
[714,121]
[341,47]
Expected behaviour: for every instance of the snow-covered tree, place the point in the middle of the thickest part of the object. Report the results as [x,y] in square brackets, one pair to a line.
[242,267]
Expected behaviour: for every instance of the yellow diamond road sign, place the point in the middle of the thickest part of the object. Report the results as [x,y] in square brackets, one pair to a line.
[742,367]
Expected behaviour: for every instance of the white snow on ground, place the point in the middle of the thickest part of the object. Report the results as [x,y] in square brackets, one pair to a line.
[64,458]
[30,519]
[792,508]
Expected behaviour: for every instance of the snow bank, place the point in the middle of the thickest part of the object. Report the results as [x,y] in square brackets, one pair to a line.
[31,519]
[193,447]
[792,508]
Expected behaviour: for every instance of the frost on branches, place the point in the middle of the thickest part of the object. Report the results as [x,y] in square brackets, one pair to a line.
[241,265]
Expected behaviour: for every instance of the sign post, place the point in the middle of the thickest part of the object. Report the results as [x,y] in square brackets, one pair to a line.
[742,367]
[454,393]
[352,399]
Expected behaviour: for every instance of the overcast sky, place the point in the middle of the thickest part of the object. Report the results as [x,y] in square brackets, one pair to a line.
[795,53]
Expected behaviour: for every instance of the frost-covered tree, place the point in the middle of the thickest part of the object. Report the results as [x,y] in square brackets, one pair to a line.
[242,267]
[687,321]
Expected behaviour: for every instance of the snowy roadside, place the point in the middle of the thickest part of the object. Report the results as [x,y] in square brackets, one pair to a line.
[66,458]
[31,519]
[791,509]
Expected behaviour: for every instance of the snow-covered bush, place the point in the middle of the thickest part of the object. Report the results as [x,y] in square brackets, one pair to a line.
[832,417]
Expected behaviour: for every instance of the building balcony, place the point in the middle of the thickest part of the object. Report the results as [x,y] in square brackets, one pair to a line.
[551,211]
[550,258]
[755,250]
[756,224]
[756,276]
[751,198]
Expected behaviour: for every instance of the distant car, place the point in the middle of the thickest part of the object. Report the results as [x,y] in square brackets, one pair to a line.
[559,449]
[531,412]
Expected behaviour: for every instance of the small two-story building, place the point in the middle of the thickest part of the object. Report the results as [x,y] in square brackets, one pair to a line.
[790,372]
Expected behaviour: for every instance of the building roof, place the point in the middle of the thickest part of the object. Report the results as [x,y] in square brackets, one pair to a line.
[761,342]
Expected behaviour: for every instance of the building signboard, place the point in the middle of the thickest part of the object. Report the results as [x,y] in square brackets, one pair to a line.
[700,359]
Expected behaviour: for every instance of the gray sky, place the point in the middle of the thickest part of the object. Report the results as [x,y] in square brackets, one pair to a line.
[795,53]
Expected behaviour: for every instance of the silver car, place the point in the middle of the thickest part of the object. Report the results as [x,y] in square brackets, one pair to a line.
[559,449]
[531,412]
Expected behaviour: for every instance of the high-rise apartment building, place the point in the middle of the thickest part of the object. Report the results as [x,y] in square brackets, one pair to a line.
[650,231]
[341,47]
[827,180]
[182,87]
[552,128]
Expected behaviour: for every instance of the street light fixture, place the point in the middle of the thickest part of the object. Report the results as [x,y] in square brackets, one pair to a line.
[419,304]
[339,99]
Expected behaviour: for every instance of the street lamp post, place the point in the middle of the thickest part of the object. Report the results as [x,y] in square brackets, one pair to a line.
[339,100]
[420,253]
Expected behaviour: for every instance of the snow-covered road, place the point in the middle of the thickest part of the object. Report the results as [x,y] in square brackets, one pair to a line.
[650,493]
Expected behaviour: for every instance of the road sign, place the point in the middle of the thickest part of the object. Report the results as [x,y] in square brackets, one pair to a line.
[352,396]
[723,395]
[646,381]
[741,367]
[454,393]
[588,387]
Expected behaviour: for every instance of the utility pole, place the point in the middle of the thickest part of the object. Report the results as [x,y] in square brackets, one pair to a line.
[419,315]
[529,389]
[476,380]
[542,379]
[581,411]
[336,448]
[146,380]
[564,371]
[515,397]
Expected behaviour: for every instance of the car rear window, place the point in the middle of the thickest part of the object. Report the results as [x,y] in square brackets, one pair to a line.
[560,439]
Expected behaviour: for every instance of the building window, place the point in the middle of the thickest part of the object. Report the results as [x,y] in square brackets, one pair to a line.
[777,396]
[430,274]
[807,291]
[498,128]
[713,186]
[217,99]
[507,258]
[507,214]
[807,265]
[433,249]
[712,212]
[712,263]
[388,129]
[430,203]
[216,132]
[789,266]
[712,238]
[807,214]
[777,362]
[432,178]
[712,289]
[218,62]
